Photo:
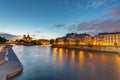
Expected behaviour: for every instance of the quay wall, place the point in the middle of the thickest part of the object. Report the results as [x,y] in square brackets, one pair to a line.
[18,67]
[112,49]
[12,67]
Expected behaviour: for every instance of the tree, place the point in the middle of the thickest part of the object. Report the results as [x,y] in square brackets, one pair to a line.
[52,41]
[56,41]
[2,40]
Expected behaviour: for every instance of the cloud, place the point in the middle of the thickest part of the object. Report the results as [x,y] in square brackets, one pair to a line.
[37,31]
[96,26]
[9,36]
[109,21]
[108,26]
[73,5]
[33,35]
[59,26]
[113,11]
[96,3]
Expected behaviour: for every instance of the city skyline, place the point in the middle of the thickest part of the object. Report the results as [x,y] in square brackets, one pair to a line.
[54,18]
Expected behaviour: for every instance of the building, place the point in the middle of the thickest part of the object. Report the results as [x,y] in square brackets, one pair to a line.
[84,39]
[10,42]
[107,39]
[44,42]
[101,39]
[60,40]
[75,39]
[27,38]
[71,38]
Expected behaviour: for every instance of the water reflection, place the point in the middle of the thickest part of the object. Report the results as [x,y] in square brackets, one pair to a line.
[81,60]
[72,57]
[66,53]
[66,64]
[54,55]
[90,55]
[90,62]
[60,56]
[117,67]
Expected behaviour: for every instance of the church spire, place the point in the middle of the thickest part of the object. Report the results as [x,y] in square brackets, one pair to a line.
[28,35]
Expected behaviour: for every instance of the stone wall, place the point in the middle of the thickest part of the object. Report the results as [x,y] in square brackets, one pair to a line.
[112,49]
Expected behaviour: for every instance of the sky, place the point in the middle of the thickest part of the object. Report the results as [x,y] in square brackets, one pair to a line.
[55,18]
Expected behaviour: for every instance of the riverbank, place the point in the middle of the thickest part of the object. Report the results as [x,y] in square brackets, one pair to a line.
[12,67]
[3,52]
[111,49]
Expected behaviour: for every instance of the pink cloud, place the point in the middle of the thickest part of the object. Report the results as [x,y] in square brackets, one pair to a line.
[96,26]
[108,25]
[9,36]
[114,11]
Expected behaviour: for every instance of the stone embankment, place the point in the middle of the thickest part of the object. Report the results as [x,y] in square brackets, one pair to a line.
[12,67]
[3,52]
[112,49]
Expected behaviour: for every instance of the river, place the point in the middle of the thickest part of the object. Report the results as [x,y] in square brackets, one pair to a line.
[46,63]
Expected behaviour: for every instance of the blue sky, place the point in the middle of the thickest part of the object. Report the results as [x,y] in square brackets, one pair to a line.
[54,18]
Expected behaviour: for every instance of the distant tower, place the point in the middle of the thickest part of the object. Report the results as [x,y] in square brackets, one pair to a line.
[27,38]
[24,37]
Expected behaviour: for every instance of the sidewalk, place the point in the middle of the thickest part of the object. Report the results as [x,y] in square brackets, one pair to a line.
[2,54]
[12,67]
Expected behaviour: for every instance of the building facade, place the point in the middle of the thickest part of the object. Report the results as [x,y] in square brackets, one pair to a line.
[101,39]
[44,42]
[60,40]
[107,39]
[75,39]
[27,38]
[84,39]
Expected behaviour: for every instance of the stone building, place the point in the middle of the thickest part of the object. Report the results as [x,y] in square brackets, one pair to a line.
[60,40]
[75,39]
[107,39]
[84,39]
[44,42]
[27,38]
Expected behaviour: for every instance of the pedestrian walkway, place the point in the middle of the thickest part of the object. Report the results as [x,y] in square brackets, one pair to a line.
[2,54]
[12,67]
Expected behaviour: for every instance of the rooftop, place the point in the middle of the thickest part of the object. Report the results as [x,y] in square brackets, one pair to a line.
[106,33]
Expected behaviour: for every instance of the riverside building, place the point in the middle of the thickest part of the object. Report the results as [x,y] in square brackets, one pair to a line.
[60,40]
[75,39]
[107,39]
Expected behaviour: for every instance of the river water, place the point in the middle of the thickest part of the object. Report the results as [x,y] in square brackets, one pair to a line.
[46,63]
